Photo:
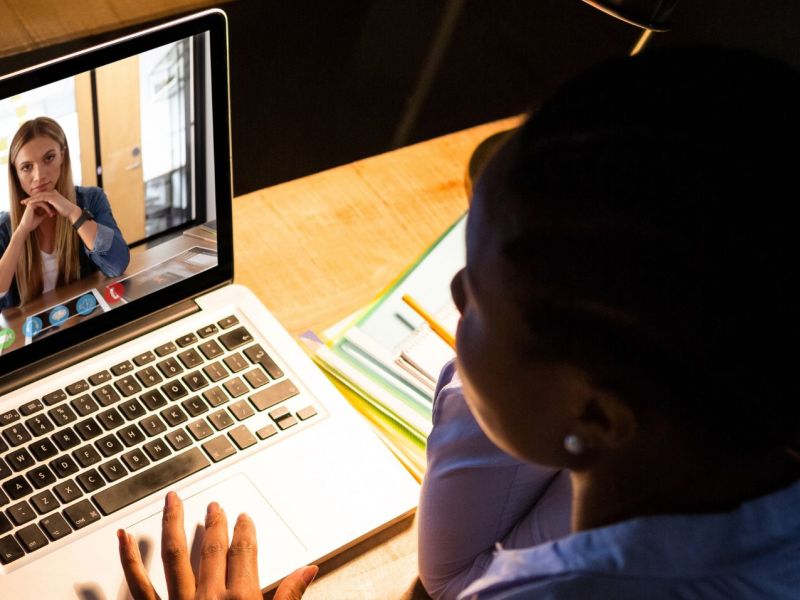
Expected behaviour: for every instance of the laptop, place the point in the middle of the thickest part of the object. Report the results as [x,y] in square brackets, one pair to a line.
[168,376]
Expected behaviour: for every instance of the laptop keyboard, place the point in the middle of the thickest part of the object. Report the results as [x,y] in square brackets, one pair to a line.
[83,452]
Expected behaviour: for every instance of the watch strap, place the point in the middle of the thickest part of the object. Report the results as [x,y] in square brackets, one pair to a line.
[85,216]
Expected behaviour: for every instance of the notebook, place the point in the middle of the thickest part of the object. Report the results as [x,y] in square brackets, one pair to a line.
[167,376]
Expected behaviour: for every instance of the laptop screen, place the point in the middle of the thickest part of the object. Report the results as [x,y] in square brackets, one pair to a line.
[115,186]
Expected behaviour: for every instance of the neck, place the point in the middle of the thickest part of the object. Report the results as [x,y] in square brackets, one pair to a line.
[675,482]
[46,235]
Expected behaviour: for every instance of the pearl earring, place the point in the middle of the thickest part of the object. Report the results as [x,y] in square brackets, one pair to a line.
[574,444]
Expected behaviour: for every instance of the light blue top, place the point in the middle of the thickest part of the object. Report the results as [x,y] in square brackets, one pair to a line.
[750,552]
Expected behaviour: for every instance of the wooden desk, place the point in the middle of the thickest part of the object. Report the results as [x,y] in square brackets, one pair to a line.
[318,248]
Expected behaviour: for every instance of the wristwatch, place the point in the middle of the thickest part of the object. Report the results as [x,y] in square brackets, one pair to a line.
[85,216]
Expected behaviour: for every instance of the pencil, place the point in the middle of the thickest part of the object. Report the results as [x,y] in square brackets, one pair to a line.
[437,327]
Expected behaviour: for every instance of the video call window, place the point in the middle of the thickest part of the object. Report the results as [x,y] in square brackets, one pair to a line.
[137,134]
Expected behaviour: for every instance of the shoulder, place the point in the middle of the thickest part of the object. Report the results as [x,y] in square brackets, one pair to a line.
[91,198]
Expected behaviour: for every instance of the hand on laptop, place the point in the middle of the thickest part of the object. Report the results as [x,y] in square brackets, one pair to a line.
[224,571]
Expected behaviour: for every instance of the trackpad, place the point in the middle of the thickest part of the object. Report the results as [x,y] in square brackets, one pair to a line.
[279,549]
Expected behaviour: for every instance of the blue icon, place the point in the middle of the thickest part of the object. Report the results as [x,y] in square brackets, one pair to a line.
[32,326]
[85,304]
[58,315]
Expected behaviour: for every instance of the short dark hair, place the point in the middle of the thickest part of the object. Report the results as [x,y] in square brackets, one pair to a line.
[646,211]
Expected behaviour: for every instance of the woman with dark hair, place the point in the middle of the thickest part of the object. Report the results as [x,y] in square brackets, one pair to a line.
[622,417]
[52,220]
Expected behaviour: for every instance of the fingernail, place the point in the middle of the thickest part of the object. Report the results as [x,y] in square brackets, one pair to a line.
[213,508]
[309,573]
[122,536]
[169,501]
[243,517]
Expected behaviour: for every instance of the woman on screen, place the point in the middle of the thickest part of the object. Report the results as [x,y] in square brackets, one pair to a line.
[56,232]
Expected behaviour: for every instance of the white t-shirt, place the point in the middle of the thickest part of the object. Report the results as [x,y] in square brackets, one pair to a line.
[49,272]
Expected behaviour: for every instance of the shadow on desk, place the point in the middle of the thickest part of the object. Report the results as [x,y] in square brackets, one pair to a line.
[387,558]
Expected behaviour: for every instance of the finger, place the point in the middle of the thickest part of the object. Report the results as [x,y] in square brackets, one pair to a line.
[174,553]
[213,554]
[294,586]
[133,568]
[242,576]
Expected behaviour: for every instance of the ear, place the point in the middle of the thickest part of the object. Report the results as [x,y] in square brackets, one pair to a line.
[606,421]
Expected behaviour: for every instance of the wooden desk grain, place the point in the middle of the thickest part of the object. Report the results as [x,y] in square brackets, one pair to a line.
[318,248]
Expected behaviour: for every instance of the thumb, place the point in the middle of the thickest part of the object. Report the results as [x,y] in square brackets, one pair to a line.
[294,586]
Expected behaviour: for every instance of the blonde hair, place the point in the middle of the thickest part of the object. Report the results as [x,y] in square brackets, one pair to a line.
[67,246]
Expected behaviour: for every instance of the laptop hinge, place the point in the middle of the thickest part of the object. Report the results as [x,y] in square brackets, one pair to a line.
[75,354]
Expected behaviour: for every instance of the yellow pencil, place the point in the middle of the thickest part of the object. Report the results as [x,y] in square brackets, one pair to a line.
[434,324]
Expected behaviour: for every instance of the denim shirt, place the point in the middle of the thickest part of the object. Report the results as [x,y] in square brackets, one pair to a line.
[110,254]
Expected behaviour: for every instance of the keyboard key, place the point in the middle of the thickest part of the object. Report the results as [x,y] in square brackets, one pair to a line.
[215,371]
[242,437]
[43,449]
[135,459]
[235,338]
[219,448]
[10,550]
[77,388]
[279,413]
[258,355]
[64,466]
[88,429]
[17,487]
[157,449]
[3,445]
[236,362]
[31,407]
[289,421]
[149,376]
[211,349]
[8,417]
[81,514]
[178,439]
[256,378]
[113,470]
[207,331]
[19,459]
[5,524]
[67,491]
[84,405]
[110,419]
[235,387]
[152,425]
[200,429]
[109,445]
[54,397]
[31,537]
[17,434]
[87,455]
[167,348]
[100,378]
[186,340]
[131,409]
[215,396]
[65,438]
[228,322]
[241,410]
[122,368]
[153,399]
[62,414]
[266,432]
[195,381]
[144,358]
[21,513]
[5,471]
[274,394]
[55,526]
[306,413]
[106,395]
[170,367]
[44,502]
[174,390]
[161,475]
[173,416]
[90,481]
[194,406]
[220,419]
[40,476]
[128,386]
[131,435]
[39,425]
